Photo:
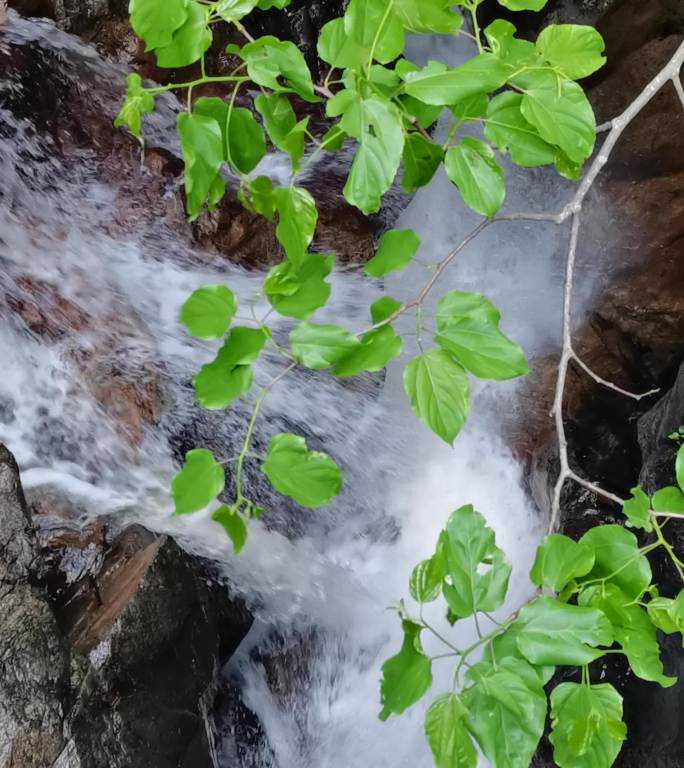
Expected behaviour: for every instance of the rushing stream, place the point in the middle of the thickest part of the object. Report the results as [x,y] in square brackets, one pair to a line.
[327,577]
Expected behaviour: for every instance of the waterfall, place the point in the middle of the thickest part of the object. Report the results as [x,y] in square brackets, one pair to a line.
[319,582]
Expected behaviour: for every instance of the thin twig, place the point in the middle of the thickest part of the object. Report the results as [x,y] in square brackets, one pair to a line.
[599,380]
[566,356]
[573,209]
[678,87]
[594,488]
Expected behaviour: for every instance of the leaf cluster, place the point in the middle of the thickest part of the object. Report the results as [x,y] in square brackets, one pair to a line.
[594,597]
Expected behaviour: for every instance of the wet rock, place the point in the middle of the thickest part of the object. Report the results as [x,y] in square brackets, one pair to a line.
[33,657]
[110,644]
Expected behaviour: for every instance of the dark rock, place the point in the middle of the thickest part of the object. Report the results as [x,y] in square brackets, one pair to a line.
[34,667]
[659,453]
[110,647]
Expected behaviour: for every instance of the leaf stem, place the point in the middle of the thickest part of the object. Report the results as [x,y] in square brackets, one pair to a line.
[662,541]
[430,628]
[376,39]
[250,429]
[472,7]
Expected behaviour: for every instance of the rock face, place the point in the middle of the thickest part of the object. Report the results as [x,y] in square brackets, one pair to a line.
[110,645]
[34,661]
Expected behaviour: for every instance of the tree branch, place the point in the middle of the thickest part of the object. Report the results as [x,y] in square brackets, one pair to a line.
[573,209]
[678,87]
[609,384]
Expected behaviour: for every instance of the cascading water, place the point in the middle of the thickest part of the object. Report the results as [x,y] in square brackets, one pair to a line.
[320,581]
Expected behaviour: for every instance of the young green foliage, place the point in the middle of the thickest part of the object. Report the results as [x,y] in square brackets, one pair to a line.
[599,583]
[514,97]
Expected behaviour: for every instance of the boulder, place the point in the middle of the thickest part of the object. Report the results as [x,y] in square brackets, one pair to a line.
[34,661]
[111,642]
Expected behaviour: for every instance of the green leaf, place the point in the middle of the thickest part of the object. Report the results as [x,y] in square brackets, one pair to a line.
[212,106]
[333,141]
[422,158]
[476,568]
[266,5]
[456,306]
[234,10]
[659,612]
[138,101]
[281,124]
[385,80]
[337,48]
[446,733]
[262,195]
[523,5]
[202,144]
[311,478]
[297,218]
[575,49]
[321,346]
[472,168]
[439,393]
[397,248]
[560,112]
[559,560]
[483,350]
[507,711]
[508,130]
[279,117]
[472,108]
[384,308]
[506,645]
[373,26]
[188,42]
[637,510]
[229,375]
[679,467]
[633,629]
[376,349]
[618,559]
[669,499]
[199,482]
[294,142]
[440,86]
[268,59]
[155,21]
[217,386]
[554,633]
[511,51]
[586,725]
[242,347]
[426,114]
[425,583]
[427,16]
[376,125]
[407,676]
[233,524]
[297,289]
[246,145]
[676,613]
[566,167]
[209,311]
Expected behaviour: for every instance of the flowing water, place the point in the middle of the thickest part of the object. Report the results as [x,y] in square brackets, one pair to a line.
[319,583]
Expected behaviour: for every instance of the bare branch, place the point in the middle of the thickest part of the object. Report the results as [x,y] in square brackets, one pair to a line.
[566,356]
[669,71]
[678,87]
[595,488]
[609,384]
[573,209]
